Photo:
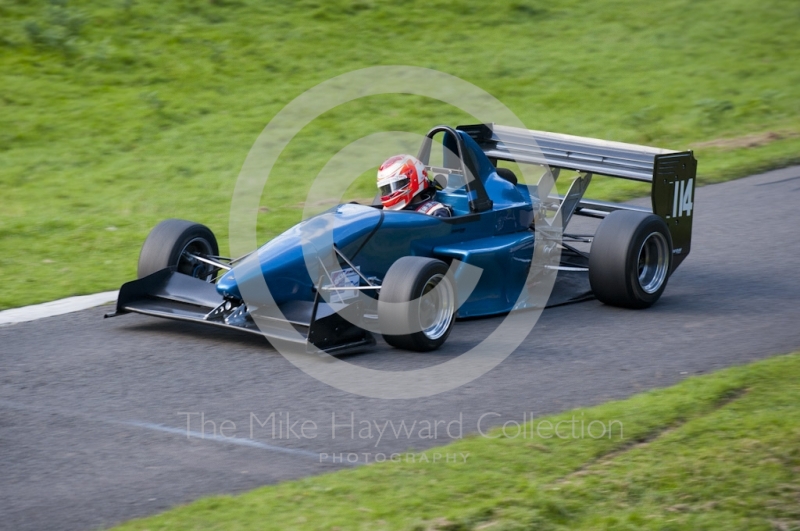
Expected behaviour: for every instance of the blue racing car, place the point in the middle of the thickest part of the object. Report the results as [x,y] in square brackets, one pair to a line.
[332,281]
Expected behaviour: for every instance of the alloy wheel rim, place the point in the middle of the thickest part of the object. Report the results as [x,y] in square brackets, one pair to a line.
[436,307]
[653,262]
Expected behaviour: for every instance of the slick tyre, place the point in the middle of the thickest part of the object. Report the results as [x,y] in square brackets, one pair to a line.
[630,259]
[171,242]
[416,306]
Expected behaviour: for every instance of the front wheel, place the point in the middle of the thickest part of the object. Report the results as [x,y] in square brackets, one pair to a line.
[630,259]
[175,243]
[416,306]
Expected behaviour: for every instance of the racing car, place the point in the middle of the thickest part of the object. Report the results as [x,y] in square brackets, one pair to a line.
[335,280]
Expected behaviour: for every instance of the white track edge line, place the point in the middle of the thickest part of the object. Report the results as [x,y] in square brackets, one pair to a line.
[195,435]
[53,308]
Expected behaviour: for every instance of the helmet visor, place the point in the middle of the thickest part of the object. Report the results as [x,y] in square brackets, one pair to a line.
[392,187]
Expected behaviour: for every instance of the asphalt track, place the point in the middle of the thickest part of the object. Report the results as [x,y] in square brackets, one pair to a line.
[91,429]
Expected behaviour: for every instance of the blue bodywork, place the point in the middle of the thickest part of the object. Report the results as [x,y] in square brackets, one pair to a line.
[499,240]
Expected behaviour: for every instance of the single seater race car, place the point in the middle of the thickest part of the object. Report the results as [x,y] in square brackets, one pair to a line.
[335,279]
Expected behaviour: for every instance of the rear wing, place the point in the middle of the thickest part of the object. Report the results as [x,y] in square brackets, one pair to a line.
[671,173]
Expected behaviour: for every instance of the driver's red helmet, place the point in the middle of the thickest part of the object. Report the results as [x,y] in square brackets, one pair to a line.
[400,178]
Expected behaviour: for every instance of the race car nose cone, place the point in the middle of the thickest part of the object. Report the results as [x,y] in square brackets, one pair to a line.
[227,286]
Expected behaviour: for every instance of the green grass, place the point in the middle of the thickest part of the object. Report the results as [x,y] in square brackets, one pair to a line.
[720,451]
[115,115]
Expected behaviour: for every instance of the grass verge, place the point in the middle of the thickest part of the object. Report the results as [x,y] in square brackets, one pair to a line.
[720,451]
[116,115]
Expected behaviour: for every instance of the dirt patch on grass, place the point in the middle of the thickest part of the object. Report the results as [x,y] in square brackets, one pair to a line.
[663,431]
[747,141]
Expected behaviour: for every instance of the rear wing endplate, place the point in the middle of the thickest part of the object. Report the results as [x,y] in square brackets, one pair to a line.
[671,173]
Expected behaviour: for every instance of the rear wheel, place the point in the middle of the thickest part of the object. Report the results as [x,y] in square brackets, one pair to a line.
[630,259]
[416,307]
[175,242]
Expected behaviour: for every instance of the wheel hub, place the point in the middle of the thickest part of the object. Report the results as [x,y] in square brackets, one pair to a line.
[436,307]
[653,262]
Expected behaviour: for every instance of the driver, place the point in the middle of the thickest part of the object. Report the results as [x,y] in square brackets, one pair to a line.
[403,184]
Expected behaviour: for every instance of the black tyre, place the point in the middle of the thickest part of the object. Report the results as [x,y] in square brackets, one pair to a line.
[169,244]
[508,175]
[630,259]
[416,306]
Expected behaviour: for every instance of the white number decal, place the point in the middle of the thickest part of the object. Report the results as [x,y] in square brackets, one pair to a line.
[682,200]
[344,278]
